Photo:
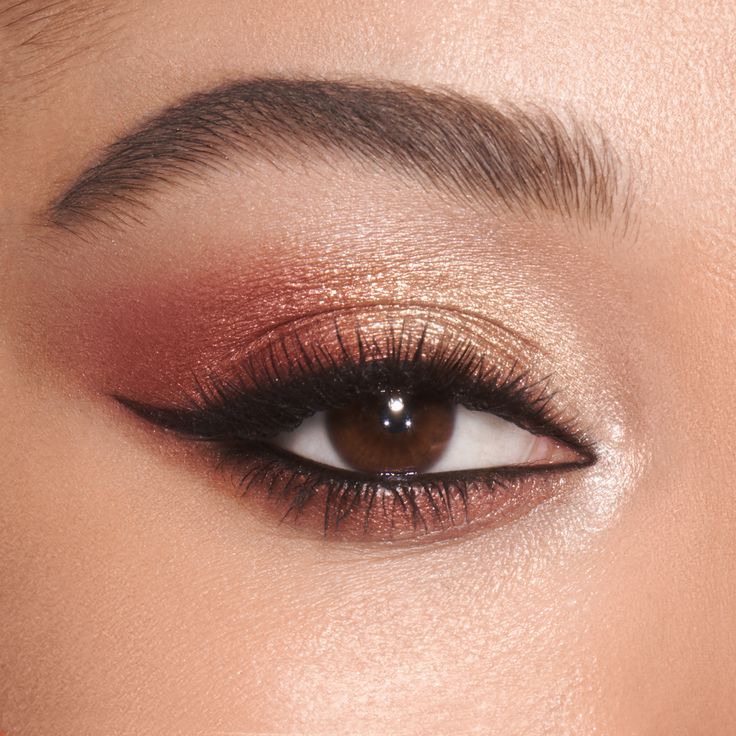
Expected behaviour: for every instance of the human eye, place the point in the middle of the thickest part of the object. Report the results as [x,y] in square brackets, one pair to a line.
[398,430]
[393,432]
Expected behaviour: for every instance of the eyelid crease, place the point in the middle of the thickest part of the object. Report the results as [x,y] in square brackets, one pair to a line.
[410,308]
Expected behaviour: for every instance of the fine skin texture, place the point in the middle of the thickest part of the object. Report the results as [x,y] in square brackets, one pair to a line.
[140,594]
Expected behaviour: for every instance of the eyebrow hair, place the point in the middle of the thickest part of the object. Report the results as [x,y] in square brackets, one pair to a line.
[519,159]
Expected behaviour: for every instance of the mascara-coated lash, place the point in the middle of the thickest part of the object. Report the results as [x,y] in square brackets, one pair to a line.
[272,391]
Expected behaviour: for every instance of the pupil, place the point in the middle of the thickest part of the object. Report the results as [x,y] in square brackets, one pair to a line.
[395,415]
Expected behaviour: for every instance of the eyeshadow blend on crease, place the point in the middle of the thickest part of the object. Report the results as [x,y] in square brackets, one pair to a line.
[504,156]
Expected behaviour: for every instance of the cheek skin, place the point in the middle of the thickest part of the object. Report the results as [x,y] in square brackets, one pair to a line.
[182,611]
[670,595]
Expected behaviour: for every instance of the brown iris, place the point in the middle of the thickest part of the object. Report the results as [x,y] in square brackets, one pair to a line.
[391,433]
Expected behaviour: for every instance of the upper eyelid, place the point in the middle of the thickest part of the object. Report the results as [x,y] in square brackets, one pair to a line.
[218,405]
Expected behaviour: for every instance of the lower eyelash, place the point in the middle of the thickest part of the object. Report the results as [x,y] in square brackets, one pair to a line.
[386,507]
[345,495]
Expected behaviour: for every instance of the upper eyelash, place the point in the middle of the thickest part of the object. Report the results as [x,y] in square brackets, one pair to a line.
[275,392]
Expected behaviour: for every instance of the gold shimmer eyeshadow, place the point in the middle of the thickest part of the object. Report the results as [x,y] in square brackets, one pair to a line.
[154,338]
[287,373]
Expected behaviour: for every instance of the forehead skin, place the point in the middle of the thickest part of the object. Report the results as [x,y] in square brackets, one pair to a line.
[636,635]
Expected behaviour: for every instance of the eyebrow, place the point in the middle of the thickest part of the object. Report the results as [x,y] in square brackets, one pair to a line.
[520,159]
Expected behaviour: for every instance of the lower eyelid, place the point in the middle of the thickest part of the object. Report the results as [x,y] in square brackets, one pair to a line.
[350,507]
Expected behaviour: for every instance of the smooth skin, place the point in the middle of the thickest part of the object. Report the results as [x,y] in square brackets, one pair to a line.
[135,598]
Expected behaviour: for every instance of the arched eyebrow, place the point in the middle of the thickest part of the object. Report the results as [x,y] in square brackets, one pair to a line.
[520,159]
